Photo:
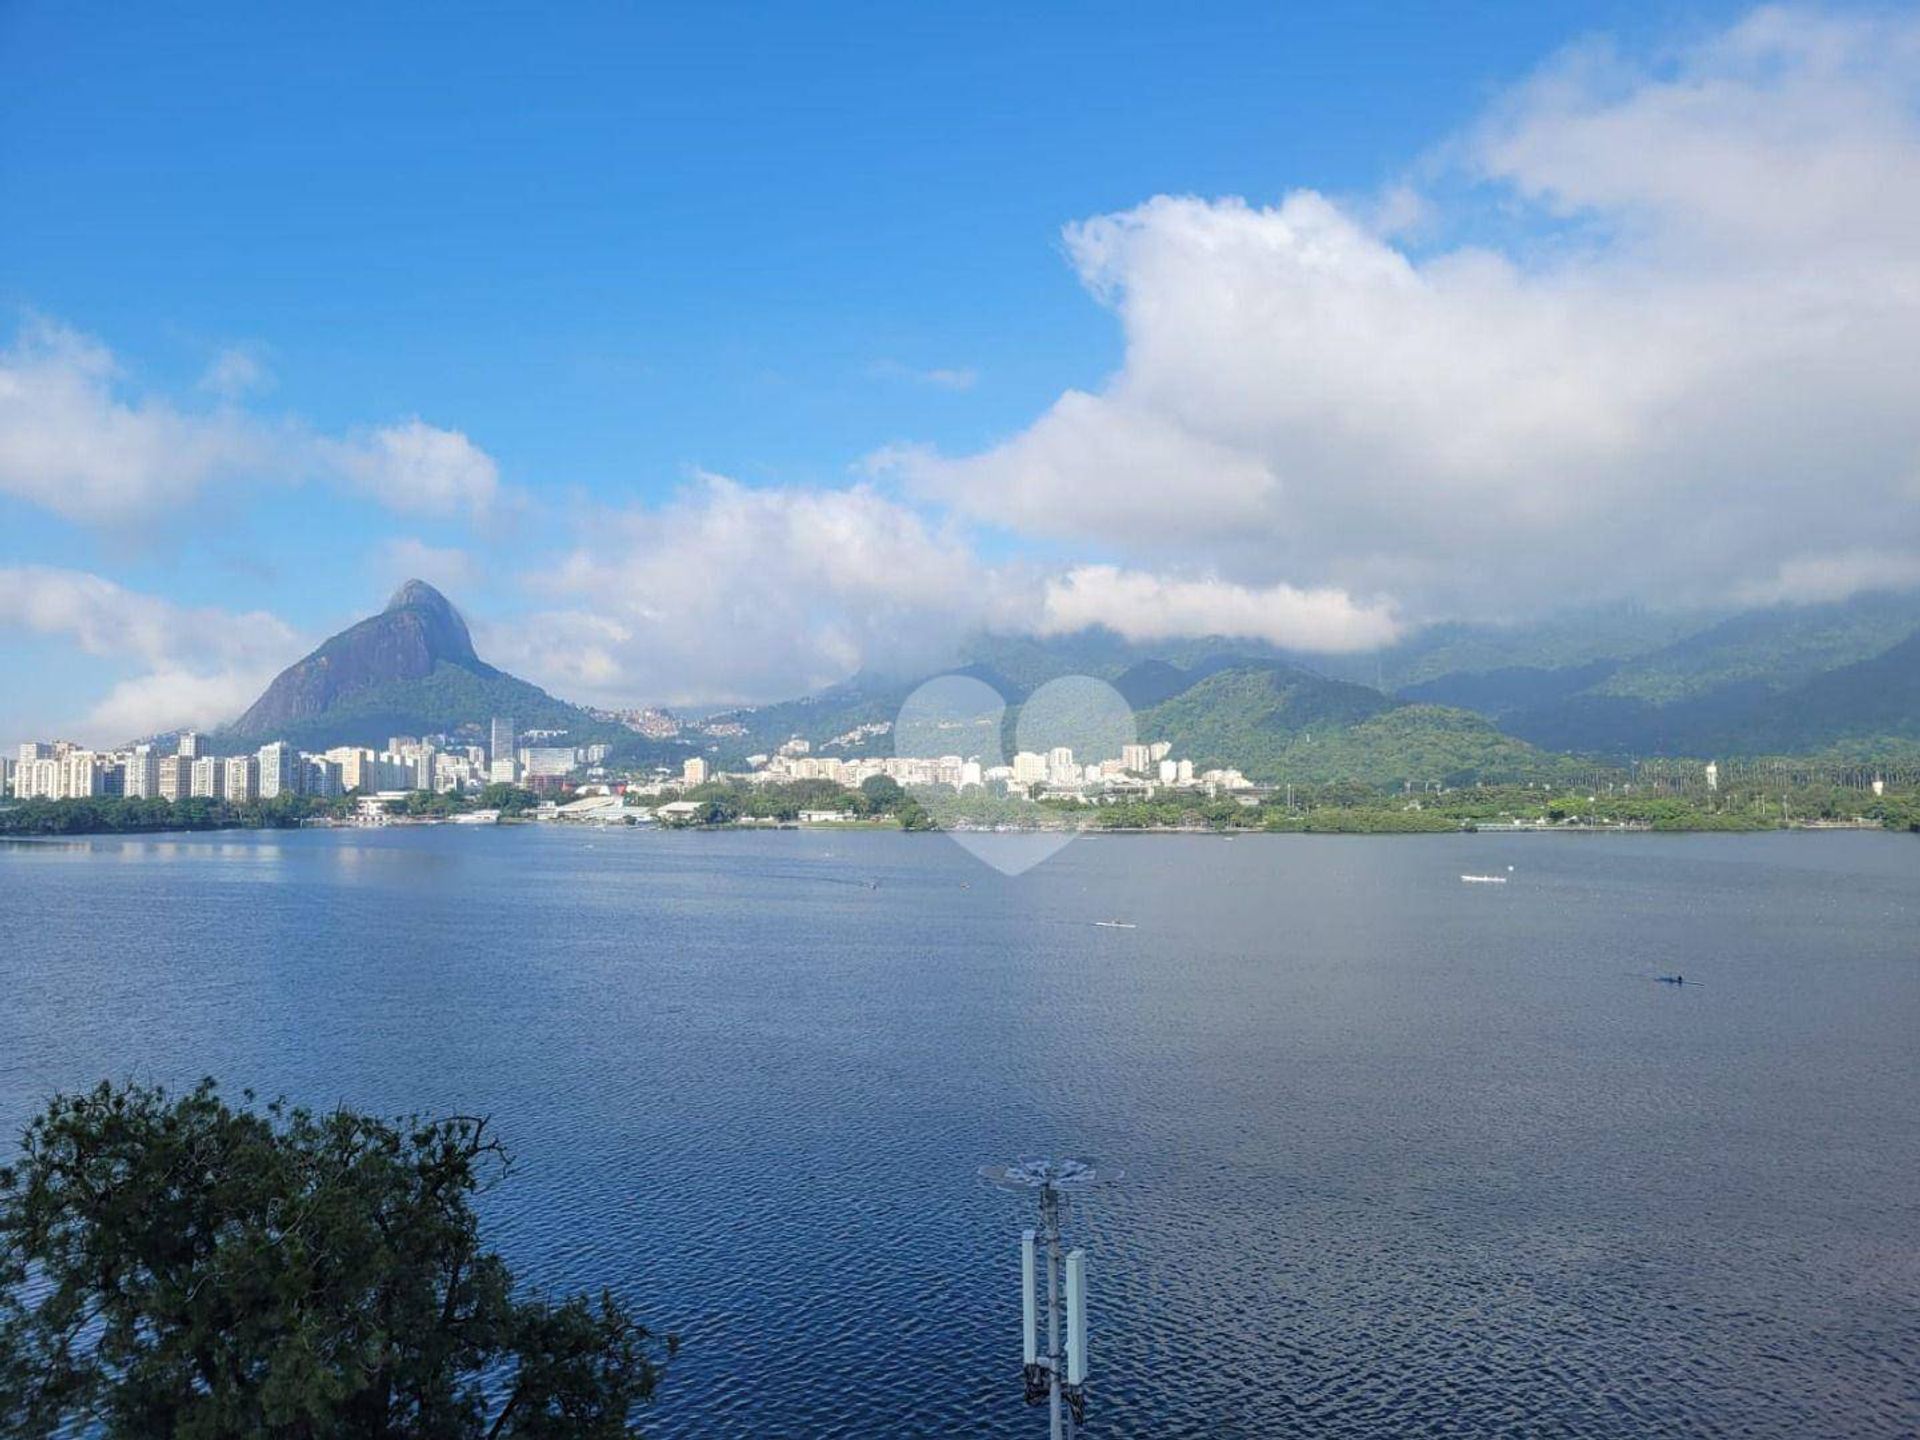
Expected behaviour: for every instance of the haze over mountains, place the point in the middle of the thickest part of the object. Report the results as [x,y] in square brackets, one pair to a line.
[1452,705]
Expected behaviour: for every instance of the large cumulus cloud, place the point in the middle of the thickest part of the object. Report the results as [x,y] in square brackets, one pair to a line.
[1689,371]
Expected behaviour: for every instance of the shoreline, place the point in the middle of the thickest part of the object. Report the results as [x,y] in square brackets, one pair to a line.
[1225,832]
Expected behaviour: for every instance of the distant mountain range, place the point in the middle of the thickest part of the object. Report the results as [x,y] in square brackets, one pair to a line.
[1452,704]
[1457,702]
[1782,680]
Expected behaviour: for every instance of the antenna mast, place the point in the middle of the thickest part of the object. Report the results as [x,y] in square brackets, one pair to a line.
[1057,1379]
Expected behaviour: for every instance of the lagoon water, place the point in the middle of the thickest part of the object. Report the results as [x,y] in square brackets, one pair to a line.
[1406,1157]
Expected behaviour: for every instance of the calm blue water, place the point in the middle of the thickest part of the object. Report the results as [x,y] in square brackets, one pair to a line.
[1407,1157]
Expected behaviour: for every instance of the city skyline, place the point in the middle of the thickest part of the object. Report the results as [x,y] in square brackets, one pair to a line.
[1596,287]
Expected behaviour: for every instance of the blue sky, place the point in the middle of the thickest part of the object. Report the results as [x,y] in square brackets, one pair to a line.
[818,251]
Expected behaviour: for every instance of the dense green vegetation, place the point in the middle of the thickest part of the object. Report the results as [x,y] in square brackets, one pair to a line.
[109,814]
[179,1266]
[1280,724]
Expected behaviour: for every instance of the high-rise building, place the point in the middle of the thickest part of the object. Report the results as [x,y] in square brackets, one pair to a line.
[241,781]
[423,757]
[281,770]
[1136,758]
[207,778]
[1029,768]
[142,775]
[85,774]
[174,777]
[6,775]
[39,779]
[502,738]
[551,762]
[323,777]
[191,745]
[356,767]
[35,750]
[694,772]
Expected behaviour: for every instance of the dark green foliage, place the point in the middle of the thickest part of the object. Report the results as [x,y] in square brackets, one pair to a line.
[1278,723]
[111,815]
[722,802]
[180,1267]
[882,792]
[1366,821]
[508,799]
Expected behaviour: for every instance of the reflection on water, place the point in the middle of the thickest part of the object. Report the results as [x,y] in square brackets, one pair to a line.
[1405,1156]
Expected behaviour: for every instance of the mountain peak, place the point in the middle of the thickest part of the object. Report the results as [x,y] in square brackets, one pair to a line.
[418,636]
[444,632]
[418,594]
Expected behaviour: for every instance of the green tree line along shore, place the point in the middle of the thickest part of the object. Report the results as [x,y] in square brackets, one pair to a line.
[1761,801]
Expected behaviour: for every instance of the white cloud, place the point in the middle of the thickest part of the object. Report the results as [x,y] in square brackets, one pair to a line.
[167,700]
[939,377]
[1712,372]
[74,443]
[235,372]
[734,593]
[415,468]
[406,558]
[1811,579]
[1151,607]
[194,666]
[70,444]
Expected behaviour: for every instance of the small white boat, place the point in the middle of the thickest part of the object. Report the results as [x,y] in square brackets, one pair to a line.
[1116,924]
[1484,879]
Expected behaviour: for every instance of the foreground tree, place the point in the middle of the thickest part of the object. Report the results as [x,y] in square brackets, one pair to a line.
[177,1266]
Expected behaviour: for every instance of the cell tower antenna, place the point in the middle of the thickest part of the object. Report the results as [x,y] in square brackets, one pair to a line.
[1058,1380]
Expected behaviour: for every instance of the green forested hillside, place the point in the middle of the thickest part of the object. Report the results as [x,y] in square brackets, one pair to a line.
[1277,724]
[1615,684]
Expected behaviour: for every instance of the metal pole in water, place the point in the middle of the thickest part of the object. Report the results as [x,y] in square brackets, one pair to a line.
[1050,1209]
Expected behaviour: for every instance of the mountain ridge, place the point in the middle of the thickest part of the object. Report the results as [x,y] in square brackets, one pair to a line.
[409,669]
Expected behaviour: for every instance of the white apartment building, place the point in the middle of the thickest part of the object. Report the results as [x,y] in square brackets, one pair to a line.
[174,777]
[281,769]
[207,777]
[241,780]
[142,780]
[323,777]
[1136,758]
[694,772]
[39,779]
